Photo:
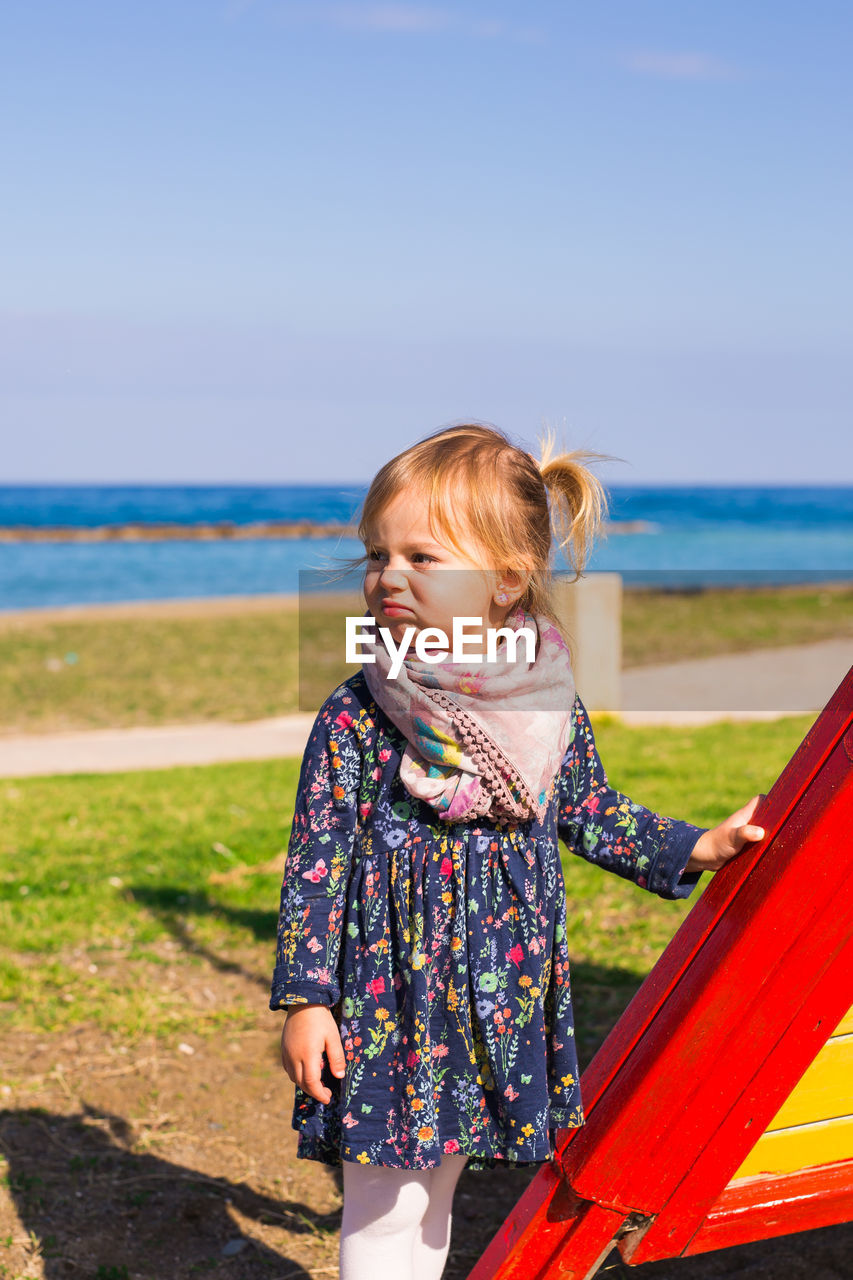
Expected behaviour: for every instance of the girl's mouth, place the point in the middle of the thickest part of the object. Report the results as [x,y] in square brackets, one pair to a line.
[394,610]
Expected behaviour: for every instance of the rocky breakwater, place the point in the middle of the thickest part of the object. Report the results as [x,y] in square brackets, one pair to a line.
[204,532]
[216,532]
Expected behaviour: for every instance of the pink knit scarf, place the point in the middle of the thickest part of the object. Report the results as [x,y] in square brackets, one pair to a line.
[485,740]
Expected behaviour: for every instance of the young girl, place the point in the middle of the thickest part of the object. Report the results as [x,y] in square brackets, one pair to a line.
[422,936]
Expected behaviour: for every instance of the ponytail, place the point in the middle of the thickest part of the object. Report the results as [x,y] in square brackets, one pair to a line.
[578,501]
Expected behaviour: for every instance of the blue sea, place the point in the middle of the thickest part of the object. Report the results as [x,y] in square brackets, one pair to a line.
[695,536]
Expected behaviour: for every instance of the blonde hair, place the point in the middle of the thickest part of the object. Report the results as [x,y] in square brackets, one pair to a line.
[473,475]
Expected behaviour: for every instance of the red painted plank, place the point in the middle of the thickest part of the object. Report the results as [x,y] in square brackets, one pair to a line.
[758,1208]
[747,1119]
[534,1229]
[757,971]
[745,986]
[820,740]
[550,1233]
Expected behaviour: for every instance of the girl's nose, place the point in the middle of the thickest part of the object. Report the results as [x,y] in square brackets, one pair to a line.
[392,576]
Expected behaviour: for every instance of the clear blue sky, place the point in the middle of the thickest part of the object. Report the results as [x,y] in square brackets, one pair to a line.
[261,240]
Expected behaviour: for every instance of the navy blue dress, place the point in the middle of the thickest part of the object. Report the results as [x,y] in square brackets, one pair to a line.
[441,947]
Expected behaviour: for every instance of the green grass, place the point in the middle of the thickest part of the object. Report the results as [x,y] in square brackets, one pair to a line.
[114,871]
[109,672]
[115,672]
[668,626]
[108,910]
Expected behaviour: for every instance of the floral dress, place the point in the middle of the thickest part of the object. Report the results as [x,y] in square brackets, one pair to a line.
[441,947]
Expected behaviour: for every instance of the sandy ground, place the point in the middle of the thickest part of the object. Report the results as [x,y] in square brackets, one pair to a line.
[185,607]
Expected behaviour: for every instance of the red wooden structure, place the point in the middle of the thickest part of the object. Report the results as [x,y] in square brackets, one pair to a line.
[713,1048]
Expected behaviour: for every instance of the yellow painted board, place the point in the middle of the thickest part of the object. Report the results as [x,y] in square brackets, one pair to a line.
[845,1026]
[786,1150]
[824,1090]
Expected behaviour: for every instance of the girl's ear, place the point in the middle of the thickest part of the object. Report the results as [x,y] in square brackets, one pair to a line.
[515,582]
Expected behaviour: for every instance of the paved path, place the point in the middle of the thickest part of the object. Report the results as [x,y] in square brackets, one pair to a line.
[160,747]
[763,684]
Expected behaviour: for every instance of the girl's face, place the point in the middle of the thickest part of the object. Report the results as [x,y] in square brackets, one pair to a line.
[411,580]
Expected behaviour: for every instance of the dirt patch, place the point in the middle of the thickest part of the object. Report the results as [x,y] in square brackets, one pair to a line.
[160,1161]
[173,1160]
[174,1157]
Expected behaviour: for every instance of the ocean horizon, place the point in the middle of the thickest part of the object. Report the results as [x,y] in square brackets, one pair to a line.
[692,536]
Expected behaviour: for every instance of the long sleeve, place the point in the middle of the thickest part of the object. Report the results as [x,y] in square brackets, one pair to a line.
[317,867]
[604,826]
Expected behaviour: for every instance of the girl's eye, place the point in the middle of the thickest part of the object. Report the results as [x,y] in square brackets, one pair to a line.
[418,556]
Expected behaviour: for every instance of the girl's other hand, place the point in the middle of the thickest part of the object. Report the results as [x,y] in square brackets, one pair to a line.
[310,1031]
[718,846]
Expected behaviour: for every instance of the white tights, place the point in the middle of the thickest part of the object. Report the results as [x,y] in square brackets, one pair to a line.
[396,1222]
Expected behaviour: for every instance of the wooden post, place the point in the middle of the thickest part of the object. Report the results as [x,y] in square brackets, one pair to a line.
[590,613]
